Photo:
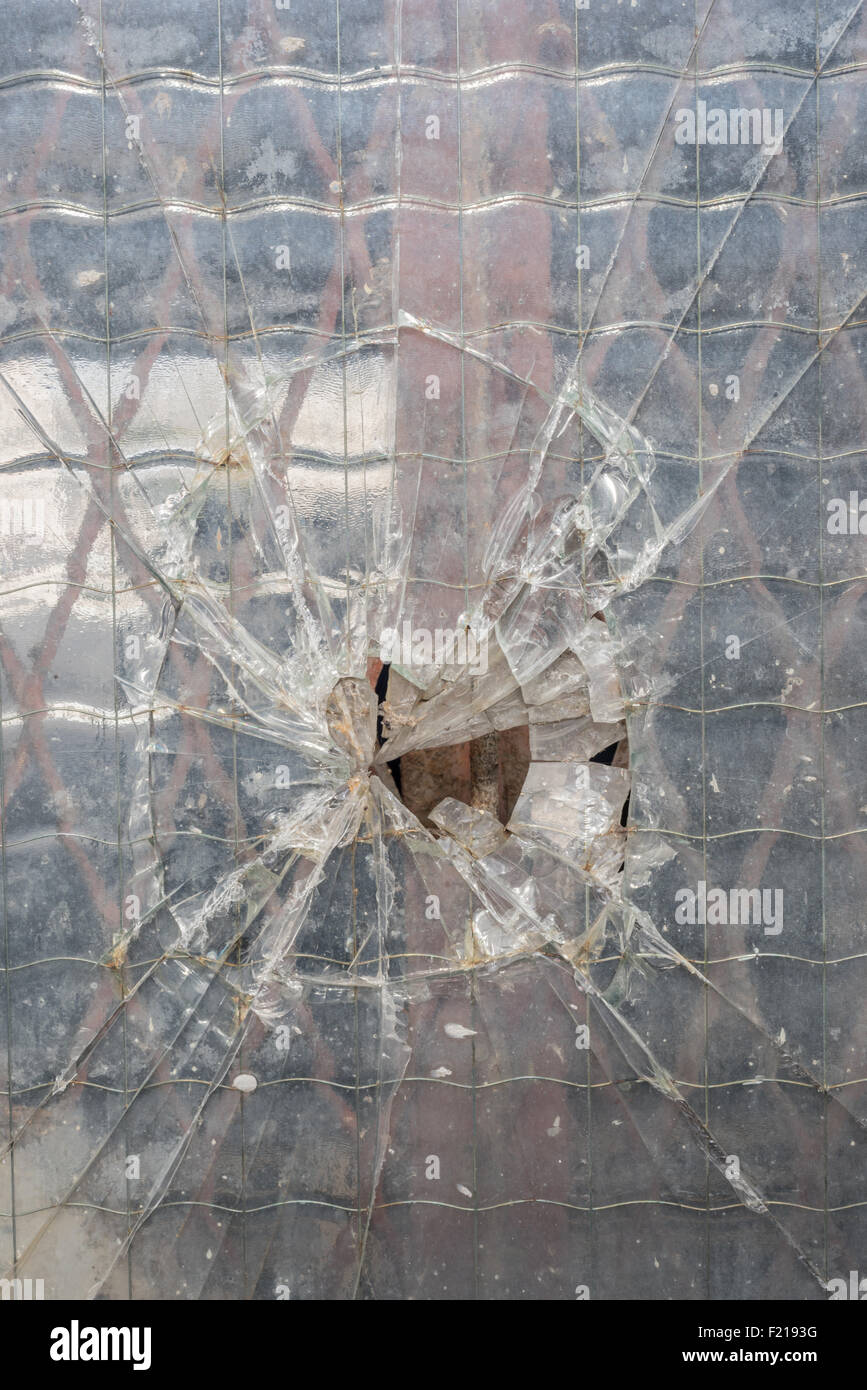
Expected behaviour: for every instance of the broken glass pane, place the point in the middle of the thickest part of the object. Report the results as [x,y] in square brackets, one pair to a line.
[430,599]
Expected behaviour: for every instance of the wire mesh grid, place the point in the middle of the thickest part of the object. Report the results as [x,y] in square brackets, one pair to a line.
[414,272]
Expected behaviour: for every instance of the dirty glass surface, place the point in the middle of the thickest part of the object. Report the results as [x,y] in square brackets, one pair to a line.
[378,379]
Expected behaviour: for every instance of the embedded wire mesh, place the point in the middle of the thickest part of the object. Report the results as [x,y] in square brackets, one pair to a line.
[407,262]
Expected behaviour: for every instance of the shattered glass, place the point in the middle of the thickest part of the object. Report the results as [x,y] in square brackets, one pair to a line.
[384,377]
